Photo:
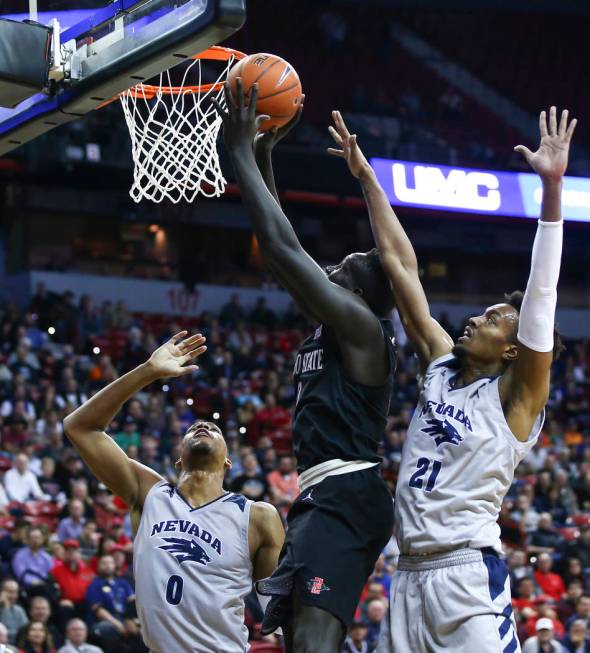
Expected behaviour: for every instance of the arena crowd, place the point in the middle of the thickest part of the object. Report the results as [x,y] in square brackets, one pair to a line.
[66,581]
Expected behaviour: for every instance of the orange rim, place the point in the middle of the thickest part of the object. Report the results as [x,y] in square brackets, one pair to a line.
[149,91]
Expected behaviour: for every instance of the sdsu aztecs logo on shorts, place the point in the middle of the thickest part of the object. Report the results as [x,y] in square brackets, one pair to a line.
[317,586]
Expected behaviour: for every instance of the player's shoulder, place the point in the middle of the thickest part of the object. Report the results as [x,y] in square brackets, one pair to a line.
[263,515]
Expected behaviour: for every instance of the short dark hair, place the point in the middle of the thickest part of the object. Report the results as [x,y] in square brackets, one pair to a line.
[370,277]
[514,299]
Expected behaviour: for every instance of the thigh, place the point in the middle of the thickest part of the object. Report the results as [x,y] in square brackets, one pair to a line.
[313,630]
[404,631]
[468,607]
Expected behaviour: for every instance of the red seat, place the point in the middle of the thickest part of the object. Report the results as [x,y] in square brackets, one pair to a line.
[569,533]
[580,519]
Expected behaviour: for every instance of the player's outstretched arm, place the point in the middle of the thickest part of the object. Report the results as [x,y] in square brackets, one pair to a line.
[325,301]
[264,143]
[524,387]
[266,537]
[395,249]
[86,426]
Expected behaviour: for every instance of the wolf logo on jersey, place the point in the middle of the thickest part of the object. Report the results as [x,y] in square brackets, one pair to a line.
[442,432]
[185,550]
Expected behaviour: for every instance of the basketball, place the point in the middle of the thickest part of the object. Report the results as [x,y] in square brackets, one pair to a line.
[279,88]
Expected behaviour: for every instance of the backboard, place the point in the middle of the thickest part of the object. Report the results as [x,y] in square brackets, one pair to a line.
[102,47]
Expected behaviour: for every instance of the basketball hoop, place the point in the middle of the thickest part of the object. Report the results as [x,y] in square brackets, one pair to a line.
[174,132]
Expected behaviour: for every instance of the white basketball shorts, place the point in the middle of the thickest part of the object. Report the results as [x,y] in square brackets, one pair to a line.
[458,601]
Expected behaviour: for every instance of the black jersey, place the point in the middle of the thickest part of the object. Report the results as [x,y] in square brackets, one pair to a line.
[335,417]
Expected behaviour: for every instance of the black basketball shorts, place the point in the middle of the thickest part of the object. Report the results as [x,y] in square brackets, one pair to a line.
[336,530]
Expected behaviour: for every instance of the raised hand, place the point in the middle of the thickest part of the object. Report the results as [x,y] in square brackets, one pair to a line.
[240,122]
[349,149]
[265,141]
[550,160]
[172,357]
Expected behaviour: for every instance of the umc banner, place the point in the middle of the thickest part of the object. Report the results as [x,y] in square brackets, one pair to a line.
[468,190]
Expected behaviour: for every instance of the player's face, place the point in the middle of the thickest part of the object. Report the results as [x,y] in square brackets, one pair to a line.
[343,273]
[490,337]
[203,445]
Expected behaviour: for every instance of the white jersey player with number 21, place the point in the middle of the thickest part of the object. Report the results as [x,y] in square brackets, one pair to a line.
[480,412]
[197,548]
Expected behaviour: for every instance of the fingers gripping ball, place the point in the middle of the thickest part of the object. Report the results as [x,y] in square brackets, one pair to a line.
[279,88]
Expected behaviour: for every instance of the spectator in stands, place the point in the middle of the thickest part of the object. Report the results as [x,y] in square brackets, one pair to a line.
[518,566]
[582,611]
[70,528]
[262,315]
[545,539]
[14,435]
[232,312]
[376,610]
[551,584]
[525,594]
[576,641]
[129,434]
[32,564]
[566,607]
[108,599]
[47,481]
[36,639]
[544,641]
[73,577]
[20,483]
[283,482]
[3,500]
[76,636]
[4,639]
[580,548]
[355,641]
[13,541]
[12,615]
[252,483]
[525,513]
[40,611]
[89,539]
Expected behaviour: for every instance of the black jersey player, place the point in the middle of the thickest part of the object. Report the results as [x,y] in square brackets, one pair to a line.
[343,375]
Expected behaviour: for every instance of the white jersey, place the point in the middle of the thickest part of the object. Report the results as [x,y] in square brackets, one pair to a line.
[192,572]
[457,464]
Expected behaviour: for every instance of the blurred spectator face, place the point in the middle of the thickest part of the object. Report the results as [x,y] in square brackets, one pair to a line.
[286,464]
[21,462]
[578,632]
[3,634]
[526,589]
[574,590]
[574,567]
[36,633]
[545,521]
[48,467]
[21,532]
[544,481]
[270,459]
[379,565]
[358,634]
[376,611]
[80,492]
[250,464]
[517,559]
[523,503]
[40,609]
[36,539]
[10,592]
[72,555]
[374,591]
[106,566]
[545,635]
[544,563]
[77,632]
[585,535]
[76,509]
[583,607]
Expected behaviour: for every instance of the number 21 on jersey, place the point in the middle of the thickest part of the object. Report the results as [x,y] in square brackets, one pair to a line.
[423,467]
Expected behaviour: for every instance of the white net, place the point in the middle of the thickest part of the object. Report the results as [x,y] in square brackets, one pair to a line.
[174,137]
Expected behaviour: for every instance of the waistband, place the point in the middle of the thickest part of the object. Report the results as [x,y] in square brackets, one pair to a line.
[334,467]
[441,560]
